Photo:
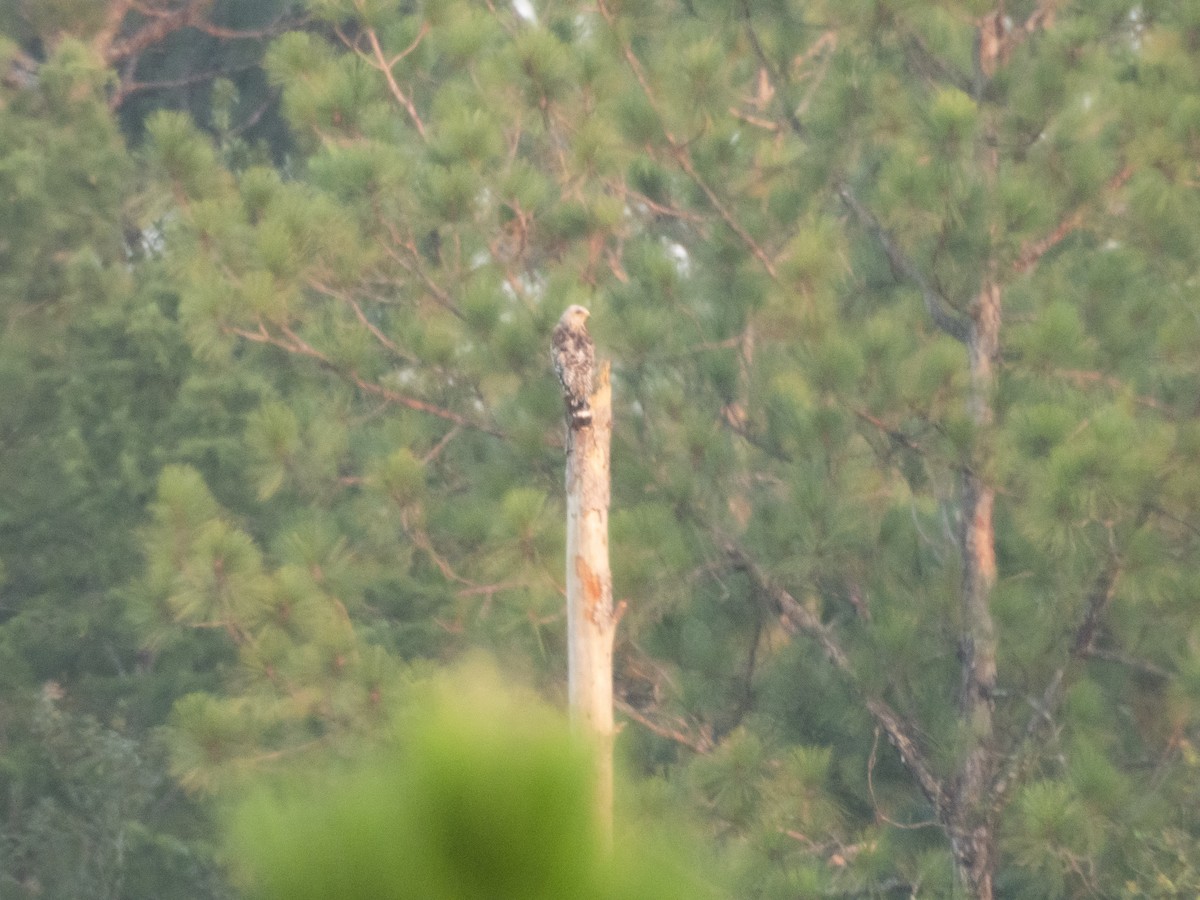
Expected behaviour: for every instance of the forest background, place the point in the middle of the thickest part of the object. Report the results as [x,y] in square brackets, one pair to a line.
[903,308]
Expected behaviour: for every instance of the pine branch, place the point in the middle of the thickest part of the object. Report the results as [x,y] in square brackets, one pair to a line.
[243,34]
[22,71]
[421,540]
[679,151]
[161,22]
[1032,251]
[1142,666]
[443,442]
[904,266]
[776,77]
[879,814]
[1022,757]
[127,86]
[1098,601]
[1088,377]
[114,17]
[659,209]
[376,59]
[384,341]
[892,885]
[894,435]
[773,74]
[293,343]
[701,743]
[1041,19]
[734,418]
[412,265]
[995,39]
[923,59]
[797,617]
[255,117]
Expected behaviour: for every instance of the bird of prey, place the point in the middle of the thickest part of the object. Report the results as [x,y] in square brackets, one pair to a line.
[574,357]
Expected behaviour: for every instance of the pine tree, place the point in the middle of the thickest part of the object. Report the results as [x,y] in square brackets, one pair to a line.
[898,298]
[930,500]
[92,364]
[396,302]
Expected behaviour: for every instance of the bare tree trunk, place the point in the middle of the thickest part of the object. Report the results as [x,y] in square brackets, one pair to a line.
[591,619]
[972,822]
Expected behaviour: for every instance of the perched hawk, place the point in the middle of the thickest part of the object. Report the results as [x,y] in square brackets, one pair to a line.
[574,357]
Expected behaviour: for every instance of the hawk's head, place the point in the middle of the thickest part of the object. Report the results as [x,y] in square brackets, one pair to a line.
[575,316]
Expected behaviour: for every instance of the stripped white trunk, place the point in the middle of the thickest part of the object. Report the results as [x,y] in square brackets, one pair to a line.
[591,620]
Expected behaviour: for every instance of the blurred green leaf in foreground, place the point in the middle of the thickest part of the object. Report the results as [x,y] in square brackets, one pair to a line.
[485,793]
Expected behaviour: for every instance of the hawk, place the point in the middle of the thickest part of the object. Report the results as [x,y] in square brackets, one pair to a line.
[574,357]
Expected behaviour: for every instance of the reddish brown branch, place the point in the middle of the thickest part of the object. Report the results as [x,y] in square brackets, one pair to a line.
[378,60]
[422,542]
[1032,252]
[1041,19]
[436,450]
[370,387]
[893,434]
[412,265]
[679,151]
[385,66]
[659,209]
[114,17]
[161,24]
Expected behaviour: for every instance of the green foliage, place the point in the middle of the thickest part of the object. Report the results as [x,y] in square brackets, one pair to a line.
[485,793]
[279,426]
[92,361]
[98,818]
[183,155]
[1055,836]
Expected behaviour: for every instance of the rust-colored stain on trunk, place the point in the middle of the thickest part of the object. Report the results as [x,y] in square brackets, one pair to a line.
[982,539]
[590,581]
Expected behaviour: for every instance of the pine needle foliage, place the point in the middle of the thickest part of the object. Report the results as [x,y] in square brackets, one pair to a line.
[900,298]
[783,221]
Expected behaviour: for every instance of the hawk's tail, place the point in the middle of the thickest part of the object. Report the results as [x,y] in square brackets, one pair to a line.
[579,414]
